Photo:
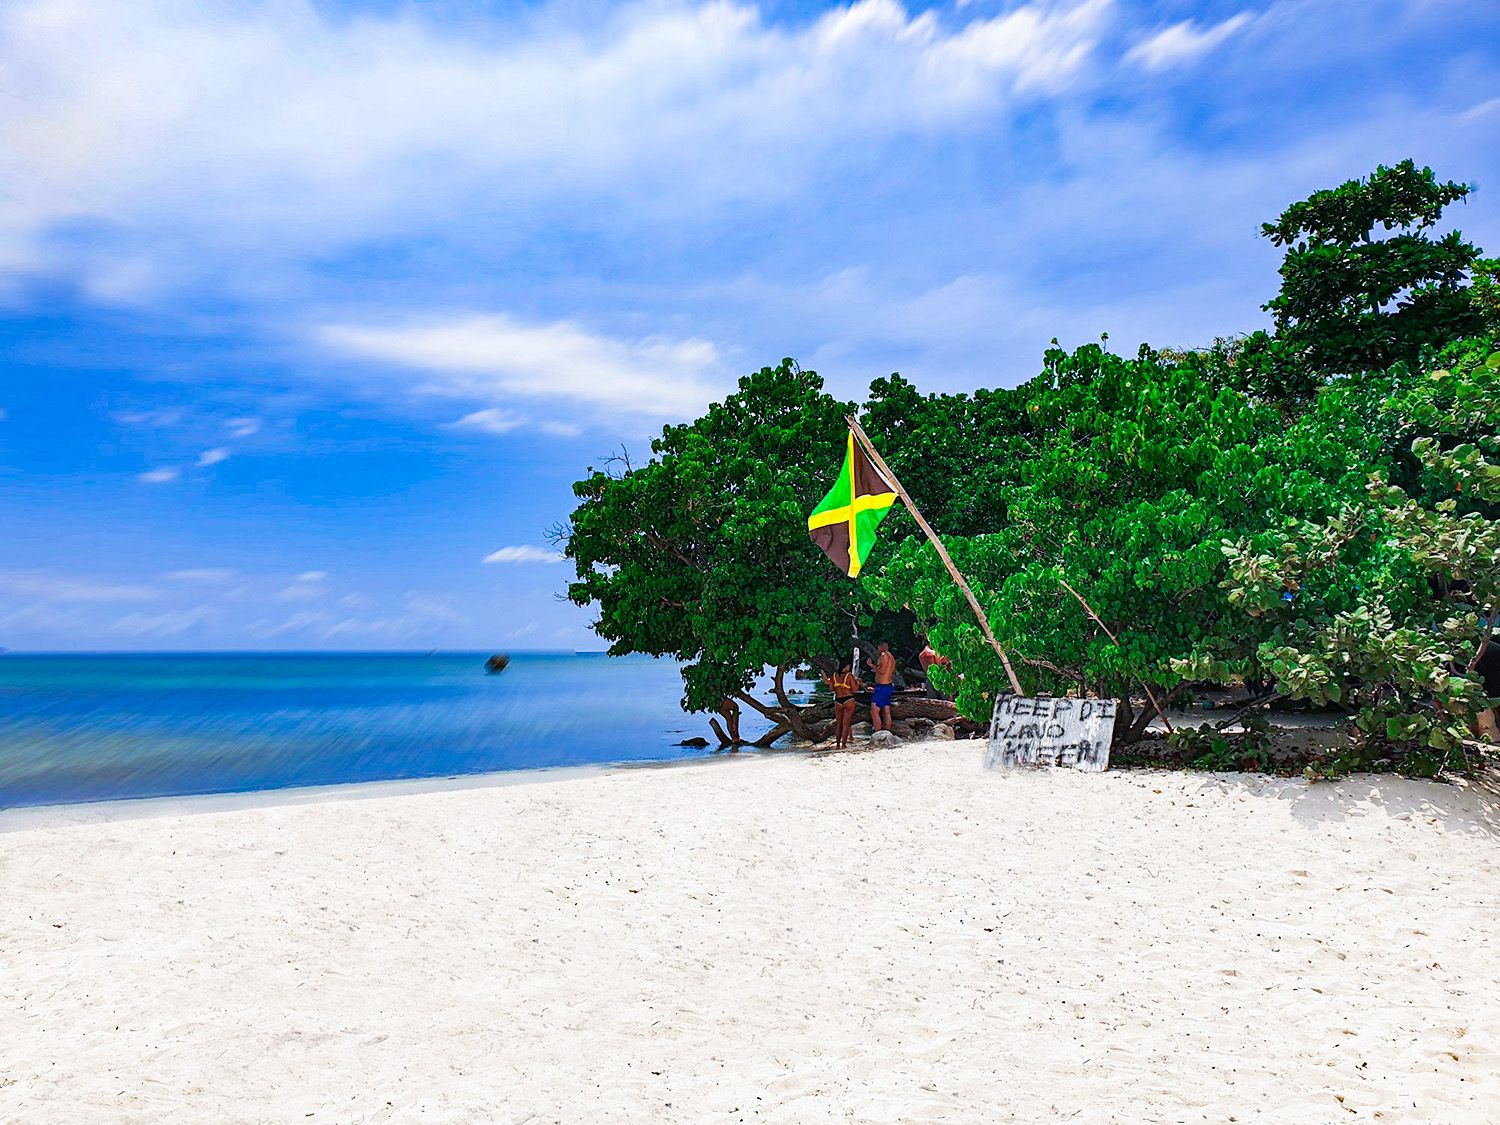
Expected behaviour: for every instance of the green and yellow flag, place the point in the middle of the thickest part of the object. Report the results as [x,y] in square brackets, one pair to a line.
[844,524]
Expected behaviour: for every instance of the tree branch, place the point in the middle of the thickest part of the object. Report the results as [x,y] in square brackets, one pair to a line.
[1484,641]
[765,740]
[766,712]
[789,710]
[1038,662]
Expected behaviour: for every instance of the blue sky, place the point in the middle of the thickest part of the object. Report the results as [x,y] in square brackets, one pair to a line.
[308,309]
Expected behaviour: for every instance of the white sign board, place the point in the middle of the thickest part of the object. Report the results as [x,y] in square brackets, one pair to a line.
[1051,732]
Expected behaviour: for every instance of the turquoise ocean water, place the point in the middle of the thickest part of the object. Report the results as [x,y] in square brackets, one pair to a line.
[100,727]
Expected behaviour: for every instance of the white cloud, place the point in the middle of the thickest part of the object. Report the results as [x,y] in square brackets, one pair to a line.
[201,574]
[201,137]
[212,457]
[242,427]
[496,356]
[151,419]
[420,615]
[169,624]
[63,588]
[1476,112]
[496,421]
[159,476]
[423,605]
[306,587]
[491,421]
[1183,43]
[524,554]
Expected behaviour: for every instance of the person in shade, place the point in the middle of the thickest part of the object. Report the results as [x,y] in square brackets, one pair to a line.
[884,666]
[844,687]
[928,657]
[1487,664]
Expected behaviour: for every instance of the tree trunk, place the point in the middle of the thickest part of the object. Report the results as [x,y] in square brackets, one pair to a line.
[765,740]
[790,713]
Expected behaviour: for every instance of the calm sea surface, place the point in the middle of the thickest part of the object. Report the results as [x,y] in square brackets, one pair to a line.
[98,727]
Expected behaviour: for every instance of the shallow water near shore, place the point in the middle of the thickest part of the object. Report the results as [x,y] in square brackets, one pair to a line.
[76,728]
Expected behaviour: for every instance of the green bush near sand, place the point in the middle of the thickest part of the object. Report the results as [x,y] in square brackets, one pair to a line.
[1310,510]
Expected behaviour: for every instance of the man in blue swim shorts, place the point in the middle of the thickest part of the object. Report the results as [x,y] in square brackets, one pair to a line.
[880,703]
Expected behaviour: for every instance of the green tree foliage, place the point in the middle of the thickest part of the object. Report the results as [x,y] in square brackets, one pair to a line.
[1123,476]
[702,553]
[1313,509]
[1351,301]
[1384,608]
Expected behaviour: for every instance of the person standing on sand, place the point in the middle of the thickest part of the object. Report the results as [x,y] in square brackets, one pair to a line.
[844,686]
[884,665]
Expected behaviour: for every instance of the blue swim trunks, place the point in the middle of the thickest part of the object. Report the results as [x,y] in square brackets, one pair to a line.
[883,693]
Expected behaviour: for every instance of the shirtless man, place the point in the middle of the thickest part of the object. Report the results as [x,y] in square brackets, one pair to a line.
[884,665]
[843,686]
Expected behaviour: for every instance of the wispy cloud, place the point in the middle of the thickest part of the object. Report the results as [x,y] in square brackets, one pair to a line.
[161,419]
[311,132]
[164,475]
[418,615]
[524,554]
[493,420]
[306,587]
[212,457]
[64,588]
[242,427]
[490,421]
[497,356]
[1183,43]
[201,574]
[172,623]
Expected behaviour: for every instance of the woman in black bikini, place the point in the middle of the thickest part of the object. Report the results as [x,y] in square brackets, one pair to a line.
[844,687]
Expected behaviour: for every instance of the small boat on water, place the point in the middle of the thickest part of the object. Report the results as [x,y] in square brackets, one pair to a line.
[497,663]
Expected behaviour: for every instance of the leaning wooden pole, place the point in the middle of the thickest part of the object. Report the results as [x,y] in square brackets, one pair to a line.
[984,624]
[1088,609]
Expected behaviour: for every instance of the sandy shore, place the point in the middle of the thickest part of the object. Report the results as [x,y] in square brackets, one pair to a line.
[892,937]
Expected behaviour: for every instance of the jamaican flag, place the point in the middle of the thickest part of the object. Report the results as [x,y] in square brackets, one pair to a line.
[844,524]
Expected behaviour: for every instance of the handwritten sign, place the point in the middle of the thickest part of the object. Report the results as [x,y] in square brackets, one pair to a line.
[1075,733]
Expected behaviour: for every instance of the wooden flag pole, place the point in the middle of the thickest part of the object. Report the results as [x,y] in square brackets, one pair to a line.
[1088,609]
[984,624]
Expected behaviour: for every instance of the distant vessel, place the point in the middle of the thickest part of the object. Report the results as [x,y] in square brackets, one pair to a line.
[497,663]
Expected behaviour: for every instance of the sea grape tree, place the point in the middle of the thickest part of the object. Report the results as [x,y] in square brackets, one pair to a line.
[1386,608]
[702,554]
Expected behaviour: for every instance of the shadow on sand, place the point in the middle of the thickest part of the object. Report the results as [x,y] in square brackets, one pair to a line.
[1469,806]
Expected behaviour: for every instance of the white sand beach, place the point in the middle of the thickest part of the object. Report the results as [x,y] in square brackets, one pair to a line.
[884,937]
